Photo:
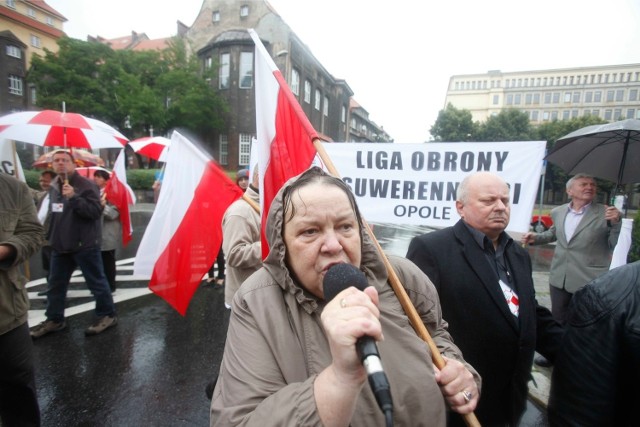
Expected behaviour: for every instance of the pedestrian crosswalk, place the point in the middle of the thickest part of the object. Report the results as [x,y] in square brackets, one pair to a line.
[79,299]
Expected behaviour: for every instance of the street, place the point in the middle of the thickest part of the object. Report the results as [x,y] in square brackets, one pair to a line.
[153,367]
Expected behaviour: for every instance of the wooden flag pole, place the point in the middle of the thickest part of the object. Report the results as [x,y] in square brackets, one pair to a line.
[404,299]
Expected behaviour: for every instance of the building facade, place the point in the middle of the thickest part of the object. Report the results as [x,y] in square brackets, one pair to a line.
[609,92]
[27,28]
[219,38]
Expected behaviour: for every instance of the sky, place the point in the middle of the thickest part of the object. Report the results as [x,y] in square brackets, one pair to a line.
[397,56]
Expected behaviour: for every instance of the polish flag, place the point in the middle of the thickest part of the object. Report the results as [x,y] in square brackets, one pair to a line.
[285,135]
[121,196]
[184,234]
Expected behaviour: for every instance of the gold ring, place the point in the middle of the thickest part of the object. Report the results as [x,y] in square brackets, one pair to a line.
[343,303]
[467,395]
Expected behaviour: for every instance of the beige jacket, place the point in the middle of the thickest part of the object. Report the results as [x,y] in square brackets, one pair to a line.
[241,243]
[276,347]
[19,228]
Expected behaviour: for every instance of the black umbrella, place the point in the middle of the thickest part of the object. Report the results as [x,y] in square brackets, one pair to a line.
[610,151]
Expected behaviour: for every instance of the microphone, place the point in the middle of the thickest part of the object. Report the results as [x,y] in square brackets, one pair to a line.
[338,278]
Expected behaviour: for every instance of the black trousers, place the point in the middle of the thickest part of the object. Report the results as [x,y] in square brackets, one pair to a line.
[18,400]
[109,264]
[221,265]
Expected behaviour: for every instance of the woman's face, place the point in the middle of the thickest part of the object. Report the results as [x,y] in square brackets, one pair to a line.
[324,231]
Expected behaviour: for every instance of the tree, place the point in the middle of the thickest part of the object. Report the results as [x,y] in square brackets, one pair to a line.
[453,125]
[131,90]
[508,125]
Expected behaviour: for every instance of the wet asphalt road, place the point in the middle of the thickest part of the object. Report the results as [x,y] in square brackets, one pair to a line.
[153,367]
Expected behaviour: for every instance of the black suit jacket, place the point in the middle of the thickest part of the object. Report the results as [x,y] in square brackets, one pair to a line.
[496,343]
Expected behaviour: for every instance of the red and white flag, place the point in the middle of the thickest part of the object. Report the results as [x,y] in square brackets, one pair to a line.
[285,135]
[184,234]
[121,196]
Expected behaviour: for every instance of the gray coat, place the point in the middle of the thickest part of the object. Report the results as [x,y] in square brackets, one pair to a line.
[19,228]
[587,255]
[111,228]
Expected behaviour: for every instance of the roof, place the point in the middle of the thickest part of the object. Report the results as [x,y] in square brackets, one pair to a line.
[30,22]
[44,6]
[155,44]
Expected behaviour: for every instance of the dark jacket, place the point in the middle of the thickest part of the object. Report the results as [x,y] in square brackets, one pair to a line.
[78,225]
[496,343]
[597,370]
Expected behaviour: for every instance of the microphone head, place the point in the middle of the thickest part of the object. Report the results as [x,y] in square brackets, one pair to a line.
[339,277]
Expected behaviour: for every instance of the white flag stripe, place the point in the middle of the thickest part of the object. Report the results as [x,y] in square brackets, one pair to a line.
[184,170]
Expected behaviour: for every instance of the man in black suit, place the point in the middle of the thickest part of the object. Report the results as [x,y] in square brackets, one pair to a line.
[487,296]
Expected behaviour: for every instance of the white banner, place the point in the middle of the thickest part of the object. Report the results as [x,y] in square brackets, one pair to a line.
[9,161]
[416,183]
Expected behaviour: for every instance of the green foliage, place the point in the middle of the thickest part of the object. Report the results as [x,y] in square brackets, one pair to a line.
[634,251]
[32,178]
[508,125]
[453,125]
[141,179]
[130,90]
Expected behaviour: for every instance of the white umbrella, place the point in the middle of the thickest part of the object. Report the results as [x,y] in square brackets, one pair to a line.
[155,147]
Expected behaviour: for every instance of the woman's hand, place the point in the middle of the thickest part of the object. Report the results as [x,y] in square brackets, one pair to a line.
[349,316]
[458,386]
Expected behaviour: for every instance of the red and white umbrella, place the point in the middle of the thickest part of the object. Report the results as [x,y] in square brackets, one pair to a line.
[88,171]
[51,128]
[154,147]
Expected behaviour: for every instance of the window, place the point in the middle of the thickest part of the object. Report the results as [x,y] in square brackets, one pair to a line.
[325,107]
[595,113]
[295,82]
[527,99]
[34,95]
[49,21]
[31,12]
[246,70]
[224,69]
[597,96]
[619,95]
[633,94]
[617,113]
[15,85]
[208,63]
[14,51]
[317,100]
[565,115]
[244,11]
[536,98]
[631,113]
[244,149]
[534,116]
[509,100]
[11,3]
[610,95]
[496,99]
[556,97]
[554,115]
[576,97]
[607,114]
[215,16]
[307,91]
[547,98]
[518,99]
[224,150]
[567,97]
[353,124]
[545,116]
[35,41]
[343,114]
[574,114]
[588,96]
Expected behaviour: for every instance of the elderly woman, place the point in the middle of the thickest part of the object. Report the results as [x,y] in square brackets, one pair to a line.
[290,357]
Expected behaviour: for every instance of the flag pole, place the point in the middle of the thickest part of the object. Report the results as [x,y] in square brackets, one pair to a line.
[411,312]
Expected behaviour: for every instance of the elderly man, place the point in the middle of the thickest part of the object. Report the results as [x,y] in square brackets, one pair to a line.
[486,291]
[75,236]
[20,237]
[585,233]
